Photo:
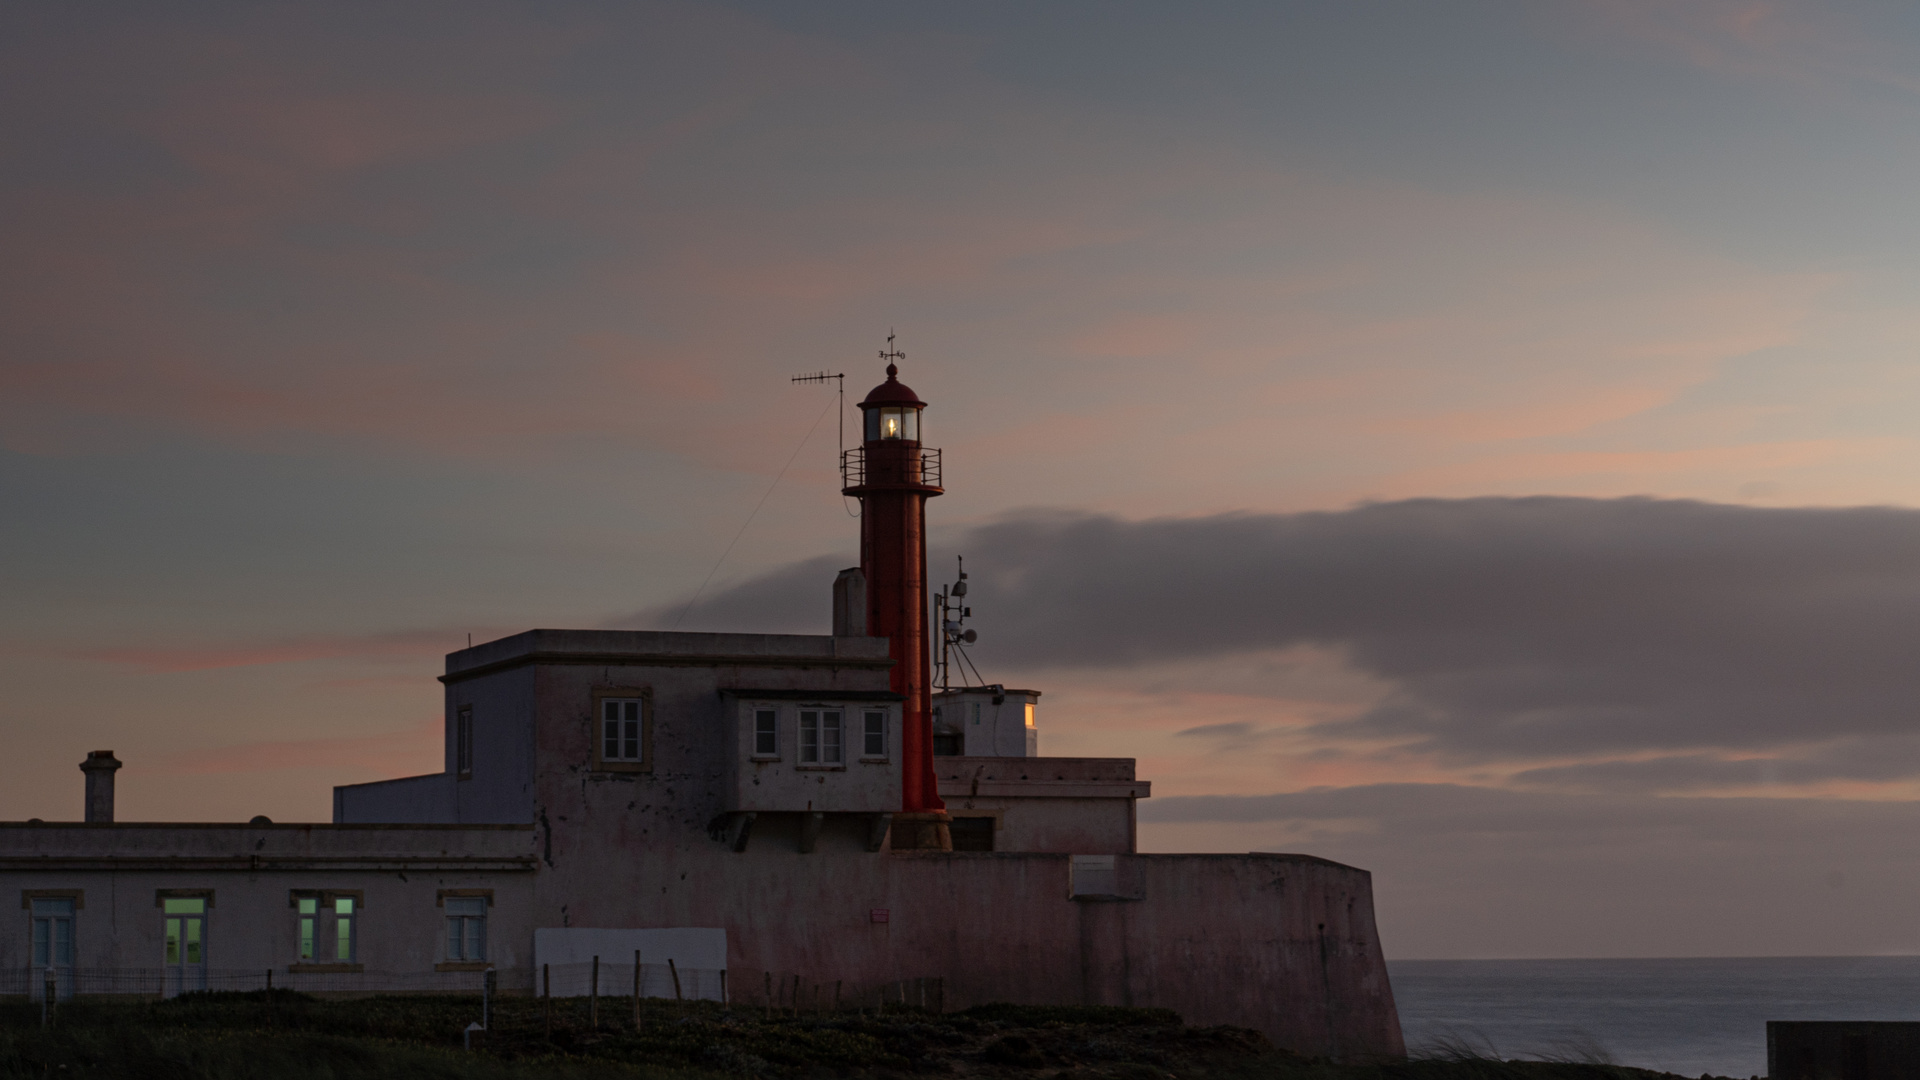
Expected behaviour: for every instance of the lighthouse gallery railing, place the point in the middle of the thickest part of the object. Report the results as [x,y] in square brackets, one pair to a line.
[853,467]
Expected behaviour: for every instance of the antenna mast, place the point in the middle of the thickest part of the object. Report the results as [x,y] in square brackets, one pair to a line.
[823,376]
[951,604]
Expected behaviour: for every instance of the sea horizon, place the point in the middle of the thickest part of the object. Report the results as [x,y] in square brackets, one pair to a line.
[1685,1015]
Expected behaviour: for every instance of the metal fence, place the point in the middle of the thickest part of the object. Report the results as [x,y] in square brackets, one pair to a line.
[610,979]
[795,992]
[773,991]
[168,982]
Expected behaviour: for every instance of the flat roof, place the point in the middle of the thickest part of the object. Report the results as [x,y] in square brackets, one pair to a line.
[666,648]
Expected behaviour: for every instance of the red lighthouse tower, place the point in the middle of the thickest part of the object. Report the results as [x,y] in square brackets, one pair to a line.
[893,476]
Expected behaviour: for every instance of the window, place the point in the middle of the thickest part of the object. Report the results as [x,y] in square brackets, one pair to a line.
[186,923]
[766,733]
[463,742]
[343,928]
[820,737]
[893,422]
[971,833]
[976,713]
[309,921]
[466,927]
[52,932]
[1029,714]
[620,729]
[329,928]
[875,735]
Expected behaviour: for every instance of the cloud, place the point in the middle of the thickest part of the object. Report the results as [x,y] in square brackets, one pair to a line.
[1807,45]
[1678,642]
[1463,870]
[1231,737]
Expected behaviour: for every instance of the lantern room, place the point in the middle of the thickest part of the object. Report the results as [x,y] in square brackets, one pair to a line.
[892,411]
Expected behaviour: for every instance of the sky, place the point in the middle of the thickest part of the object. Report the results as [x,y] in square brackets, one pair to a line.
[1474,442]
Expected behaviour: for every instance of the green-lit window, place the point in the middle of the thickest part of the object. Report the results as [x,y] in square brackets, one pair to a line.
[327,927]
[309,921]
[186,926]
[343,935]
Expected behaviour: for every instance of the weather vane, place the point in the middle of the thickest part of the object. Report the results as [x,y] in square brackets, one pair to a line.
[890,354]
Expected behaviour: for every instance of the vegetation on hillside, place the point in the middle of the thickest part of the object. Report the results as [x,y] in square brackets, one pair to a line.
[288,1036]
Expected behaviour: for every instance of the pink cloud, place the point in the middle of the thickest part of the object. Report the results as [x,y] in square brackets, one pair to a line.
[1803,44]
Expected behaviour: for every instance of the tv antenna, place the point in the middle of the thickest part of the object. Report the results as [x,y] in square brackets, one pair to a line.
[841,379]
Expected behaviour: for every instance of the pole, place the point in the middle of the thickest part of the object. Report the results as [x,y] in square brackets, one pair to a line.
[636,990]
[486,998]
[546,993]
[593,997]
[794,1001]
[269,997]
[47,990]
[675,972]
[836,995]
[769,995]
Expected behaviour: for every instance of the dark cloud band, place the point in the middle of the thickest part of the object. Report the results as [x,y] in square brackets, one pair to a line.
[1512,629]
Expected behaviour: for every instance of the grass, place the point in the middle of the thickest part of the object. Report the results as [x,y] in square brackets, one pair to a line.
[288,1036]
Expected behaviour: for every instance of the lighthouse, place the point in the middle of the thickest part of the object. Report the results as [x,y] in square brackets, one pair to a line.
[893,474]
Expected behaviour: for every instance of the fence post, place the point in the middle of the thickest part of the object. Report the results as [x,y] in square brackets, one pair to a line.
[546,995]
[636,990]
[593,996]
[836,995]
[794,1001]
[675,972]
[487,984]
[270,1009]
[724,999]
[769,995]
[47,991]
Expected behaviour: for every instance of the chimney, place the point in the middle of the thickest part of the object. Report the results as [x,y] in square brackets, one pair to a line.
[850,603]
[99,767]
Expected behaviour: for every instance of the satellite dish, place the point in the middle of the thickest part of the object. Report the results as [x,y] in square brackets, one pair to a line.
[970,636]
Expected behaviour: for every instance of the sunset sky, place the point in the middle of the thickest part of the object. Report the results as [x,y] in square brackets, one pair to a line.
[1479,442]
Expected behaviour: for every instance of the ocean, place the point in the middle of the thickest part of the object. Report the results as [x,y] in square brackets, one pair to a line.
[1687,1016]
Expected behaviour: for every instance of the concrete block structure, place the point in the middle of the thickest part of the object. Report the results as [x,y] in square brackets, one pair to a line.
[780,793]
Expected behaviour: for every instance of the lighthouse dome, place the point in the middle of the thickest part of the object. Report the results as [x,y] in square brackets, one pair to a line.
[892,392]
